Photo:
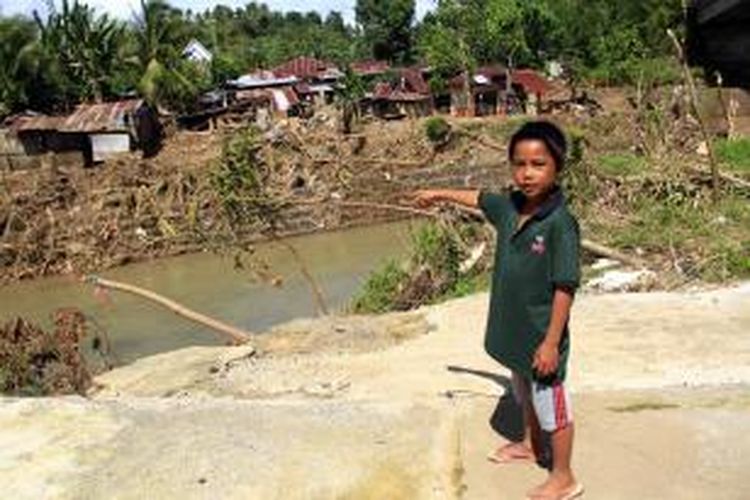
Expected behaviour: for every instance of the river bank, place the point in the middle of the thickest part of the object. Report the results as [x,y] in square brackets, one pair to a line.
[63,218]
[340,261]
[396,406]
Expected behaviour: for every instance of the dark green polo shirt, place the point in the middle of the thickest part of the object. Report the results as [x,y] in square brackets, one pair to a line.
[530,263]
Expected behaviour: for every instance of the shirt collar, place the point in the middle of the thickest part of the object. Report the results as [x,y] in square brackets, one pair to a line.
[554,200]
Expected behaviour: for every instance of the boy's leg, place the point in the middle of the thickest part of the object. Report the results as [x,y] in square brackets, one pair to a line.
[532,432]
[529,448]
[553,409]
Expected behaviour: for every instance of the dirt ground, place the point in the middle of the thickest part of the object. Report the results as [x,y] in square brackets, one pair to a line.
[661,391]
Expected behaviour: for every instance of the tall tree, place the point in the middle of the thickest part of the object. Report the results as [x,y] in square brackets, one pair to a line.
[166,78]
[387,28]
[18,63]
[86,45]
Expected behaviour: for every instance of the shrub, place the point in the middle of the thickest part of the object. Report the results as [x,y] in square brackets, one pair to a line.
[37,363]
[431,274]
[437,130]
[381,289]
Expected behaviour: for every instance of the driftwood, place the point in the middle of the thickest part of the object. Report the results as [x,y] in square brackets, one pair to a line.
[377,161]
[729,178]
[603,251]
[234,334]
[484,141]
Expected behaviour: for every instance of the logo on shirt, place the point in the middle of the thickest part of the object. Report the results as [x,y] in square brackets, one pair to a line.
[537,246]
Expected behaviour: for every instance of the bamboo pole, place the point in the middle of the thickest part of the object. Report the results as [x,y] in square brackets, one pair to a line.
[236,335]
[715,185]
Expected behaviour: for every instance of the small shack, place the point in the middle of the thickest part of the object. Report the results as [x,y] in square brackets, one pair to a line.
[94,131]
[320,77]
[487,92]
[267,92]
[408,95]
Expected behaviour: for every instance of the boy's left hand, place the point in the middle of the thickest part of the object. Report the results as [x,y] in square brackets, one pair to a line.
[546,359]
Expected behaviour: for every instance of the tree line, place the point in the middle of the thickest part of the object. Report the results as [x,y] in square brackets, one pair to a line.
[72,53]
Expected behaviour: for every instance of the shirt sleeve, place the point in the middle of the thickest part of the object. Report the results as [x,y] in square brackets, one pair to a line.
[494,207]
[566,244]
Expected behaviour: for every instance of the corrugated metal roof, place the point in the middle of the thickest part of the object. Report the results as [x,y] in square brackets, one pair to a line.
[261,79]
[414,81]
[307,67]
[104,117]
[35,123]
[87,118]
[401,96]
[531,81]
[370,67]
[382,90]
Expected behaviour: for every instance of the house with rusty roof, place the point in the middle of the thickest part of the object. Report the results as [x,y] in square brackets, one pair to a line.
[319,78]
[266,90]
[406,94]
[487,92]
[370,68]
[92,133]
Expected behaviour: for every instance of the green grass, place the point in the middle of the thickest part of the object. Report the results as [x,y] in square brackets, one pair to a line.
[435,253]
[712,242]
[734,154]
[622,164]
[380,289]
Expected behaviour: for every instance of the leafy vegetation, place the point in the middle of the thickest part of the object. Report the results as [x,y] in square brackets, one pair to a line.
[432,273]
[387,28]
[657,206]
[437,130]
[623,164]
[240,181]
[610,42]
[78,54]
[734,153]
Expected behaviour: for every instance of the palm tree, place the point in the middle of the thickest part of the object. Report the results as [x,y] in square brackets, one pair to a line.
[18,63]
[165,76]
[86,46]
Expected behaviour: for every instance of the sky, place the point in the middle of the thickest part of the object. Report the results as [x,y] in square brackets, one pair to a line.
[124,9]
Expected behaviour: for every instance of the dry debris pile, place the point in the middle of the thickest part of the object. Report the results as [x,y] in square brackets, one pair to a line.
[62,219]
[34,362]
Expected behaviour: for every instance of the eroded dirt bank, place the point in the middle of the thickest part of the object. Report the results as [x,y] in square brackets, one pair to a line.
[398,407]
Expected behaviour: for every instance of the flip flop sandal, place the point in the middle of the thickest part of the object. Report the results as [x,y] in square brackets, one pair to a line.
[576,492]
[496,456]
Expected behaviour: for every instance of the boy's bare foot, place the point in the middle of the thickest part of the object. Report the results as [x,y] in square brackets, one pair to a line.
[557,488]
[512,453]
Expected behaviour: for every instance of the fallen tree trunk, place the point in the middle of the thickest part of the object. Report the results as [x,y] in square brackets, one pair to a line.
[602,251]
[234,334]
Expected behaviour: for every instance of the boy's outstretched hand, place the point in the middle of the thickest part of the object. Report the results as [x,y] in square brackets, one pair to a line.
[546,359]
[430,197]
[425,198]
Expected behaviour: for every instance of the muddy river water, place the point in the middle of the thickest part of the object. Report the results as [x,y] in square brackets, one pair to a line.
[209,283]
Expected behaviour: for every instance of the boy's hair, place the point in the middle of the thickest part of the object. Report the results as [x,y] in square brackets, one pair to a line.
[549,133]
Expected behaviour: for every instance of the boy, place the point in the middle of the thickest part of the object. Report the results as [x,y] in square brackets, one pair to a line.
[535,276]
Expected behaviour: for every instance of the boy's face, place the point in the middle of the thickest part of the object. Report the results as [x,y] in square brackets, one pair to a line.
[534,169]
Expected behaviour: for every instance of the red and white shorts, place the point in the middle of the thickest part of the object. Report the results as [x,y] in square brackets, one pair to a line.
[551,403]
